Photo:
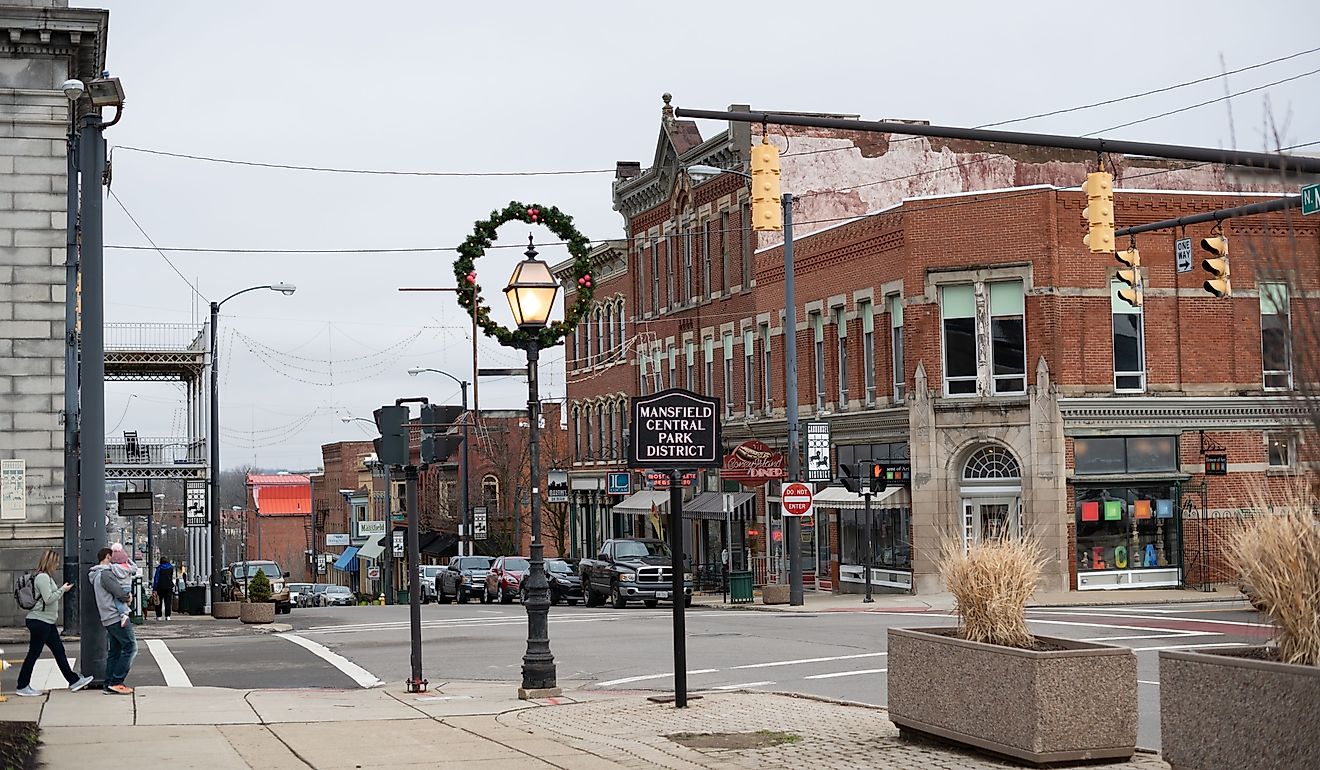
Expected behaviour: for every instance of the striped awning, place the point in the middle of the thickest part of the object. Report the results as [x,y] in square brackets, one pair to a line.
[641,502]
[712,505]
[839,497]
[347,561]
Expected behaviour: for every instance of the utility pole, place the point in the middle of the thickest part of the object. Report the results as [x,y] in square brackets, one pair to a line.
[91,511]
[792,524]
[415,683]
[71,562]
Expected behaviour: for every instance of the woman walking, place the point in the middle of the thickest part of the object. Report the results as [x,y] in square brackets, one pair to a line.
[42,630]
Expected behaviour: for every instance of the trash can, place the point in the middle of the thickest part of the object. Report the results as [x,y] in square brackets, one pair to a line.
[193,601]
[402,596]
[740,587]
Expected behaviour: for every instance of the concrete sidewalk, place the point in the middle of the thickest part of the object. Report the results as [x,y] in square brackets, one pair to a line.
[473,725]
[943,602]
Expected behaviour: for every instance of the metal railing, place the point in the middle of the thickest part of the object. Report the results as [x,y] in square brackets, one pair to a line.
[155,337]
[155,451]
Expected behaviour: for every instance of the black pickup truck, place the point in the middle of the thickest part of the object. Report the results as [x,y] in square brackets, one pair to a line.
[631,570]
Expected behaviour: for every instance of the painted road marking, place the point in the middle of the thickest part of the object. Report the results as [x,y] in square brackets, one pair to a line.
[800,661]
[175,676]
[648,677]
[1147,681]
[740,686]
[353,671]
[837,674]
[1189,646]
[447,626]
[46,675]
[1175,635]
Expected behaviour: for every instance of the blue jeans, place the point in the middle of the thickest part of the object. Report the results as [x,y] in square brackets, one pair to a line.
[119,656]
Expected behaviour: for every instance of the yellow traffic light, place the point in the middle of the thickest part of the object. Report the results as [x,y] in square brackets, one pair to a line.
[1134,295]
[1220,284]
[1099,212]
[767,210]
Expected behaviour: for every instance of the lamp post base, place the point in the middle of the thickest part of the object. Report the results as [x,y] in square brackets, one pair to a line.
[538,694]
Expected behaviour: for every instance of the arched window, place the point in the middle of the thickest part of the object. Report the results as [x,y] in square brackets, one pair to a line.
[602,442]
[614,431]
[602,348]
[623,327]
[577,434]
[992,462]
[490,492]
[588,452]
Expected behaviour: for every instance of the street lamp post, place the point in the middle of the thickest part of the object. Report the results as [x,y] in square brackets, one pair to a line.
[467,468]
[214,470]
[531,294]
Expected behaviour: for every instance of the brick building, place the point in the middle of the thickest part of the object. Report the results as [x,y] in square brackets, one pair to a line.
[952,326]
[277,521]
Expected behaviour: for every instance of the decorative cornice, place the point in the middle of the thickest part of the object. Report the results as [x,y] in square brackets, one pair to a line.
[1114,414]
[77,33]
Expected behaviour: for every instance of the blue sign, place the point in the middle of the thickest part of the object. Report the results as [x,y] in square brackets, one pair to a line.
[619,484]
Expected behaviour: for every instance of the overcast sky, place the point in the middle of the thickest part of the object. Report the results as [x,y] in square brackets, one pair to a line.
[475,87]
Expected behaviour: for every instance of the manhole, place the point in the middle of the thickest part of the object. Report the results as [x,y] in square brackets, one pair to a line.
[761,739]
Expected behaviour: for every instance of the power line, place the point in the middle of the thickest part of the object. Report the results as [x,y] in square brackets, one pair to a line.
[157,249]
[363,171]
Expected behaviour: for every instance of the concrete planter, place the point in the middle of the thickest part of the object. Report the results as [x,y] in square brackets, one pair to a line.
[225,610]
[257,612]
[774,594]
[1066,705]
[1221,709]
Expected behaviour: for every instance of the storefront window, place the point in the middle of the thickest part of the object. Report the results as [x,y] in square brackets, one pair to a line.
[889,534]
[1127,528]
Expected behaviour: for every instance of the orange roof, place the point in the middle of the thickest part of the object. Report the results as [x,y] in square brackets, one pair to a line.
[283,495]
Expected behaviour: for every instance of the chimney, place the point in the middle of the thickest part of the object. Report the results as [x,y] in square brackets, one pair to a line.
[627,169]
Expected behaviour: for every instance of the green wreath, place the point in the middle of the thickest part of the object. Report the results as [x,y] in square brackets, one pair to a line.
[483,235]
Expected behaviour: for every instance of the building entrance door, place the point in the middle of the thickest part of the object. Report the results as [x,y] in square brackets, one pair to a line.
[990,517]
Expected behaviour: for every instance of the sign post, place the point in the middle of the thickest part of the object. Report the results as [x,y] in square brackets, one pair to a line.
[673,430]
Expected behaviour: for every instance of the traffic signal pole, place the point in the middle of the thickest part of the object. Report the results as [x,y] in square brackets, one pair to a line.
[1264,160]
[1280,204]
[792,524]
[415,683]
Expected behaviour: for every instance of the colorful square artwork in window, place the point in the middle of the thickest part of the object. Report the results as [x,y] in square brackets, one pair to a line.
[1141,509]
[1164,509]
[1091,511]
[1113,510]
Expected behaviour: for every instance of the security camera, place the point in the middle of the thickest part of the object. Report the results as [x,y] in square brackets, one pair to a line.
[73,89]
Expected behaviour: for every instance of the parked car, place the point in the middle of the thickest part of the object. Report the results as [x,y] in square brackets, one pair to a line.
[565,583]
[235,578]
[296,591]
[505,576]
[429,574]
[631,570]
[464,578]
[338,596]
[314,596]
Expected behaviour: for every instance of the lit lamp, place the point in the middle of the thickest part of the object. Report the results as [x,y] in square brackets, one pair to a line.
[531,294]
[531,291]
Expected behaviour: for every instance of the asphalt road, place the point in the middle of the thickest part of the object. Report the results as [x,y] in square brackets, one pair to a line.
[838,654]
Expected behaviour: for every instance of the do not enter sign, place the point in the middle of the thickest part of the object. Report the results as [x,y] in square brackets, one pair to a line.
[796,500]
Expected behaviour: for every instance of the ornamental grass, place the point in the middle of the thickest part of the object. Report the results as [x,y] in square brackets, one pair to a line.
[991,582]
[1279,554]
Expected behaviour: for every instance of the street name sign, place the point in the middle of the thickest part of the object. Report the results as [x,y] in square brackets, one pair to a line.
[796,500]
[1311,198]
[674,428]
[1182,254]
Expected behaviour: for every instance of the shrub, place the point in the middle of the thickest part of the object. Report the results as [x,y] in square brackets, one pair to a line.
[991,584]
[1279,554]
[259,590]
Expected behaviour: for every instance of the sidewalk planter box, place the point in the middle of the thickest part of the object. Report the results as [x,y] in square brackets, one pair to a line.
[774,594]
[1076,702]
[1233,709]
[225,610]
[257,612]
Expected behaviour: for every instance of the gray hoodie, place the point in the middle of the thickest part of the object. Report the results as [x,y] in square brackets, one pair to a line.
[106,588]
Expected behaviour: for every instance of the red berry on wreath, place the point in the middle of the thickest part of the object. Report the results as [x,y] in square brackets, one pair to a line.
[472,277]
[532,214]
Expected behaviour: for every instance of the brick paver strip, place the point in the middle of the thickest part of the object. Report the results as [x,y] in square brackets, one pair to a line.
[632,730]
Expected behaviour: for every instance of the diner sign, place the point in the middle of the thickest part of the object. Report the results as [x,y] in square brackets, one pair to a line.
[674,428]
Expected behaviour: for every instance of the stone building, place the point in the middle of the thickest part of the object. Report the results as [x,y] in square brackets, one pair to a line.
[42,43]
[950,325]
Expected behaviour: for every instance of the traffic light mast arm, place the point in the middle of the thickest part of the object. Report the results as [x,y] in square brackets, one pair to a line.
[1280,204]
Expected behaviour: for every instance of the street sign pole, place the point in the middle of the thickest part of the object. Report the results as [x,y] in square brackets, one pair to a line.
[416,683]
[870,547]
[678,566]
[792,526]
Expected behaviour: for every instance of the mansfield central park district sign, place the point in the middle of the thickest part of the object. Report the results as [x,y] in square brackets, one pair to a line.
[674,428]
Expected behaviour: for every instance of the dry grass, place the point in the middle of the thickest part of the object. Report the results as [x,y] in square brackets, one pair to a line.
[1279,552]
[991,584]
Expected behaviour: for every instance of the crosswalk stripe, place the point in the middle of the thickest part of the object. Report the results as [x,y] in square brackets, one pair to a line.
[363,677]
[838,674]
[800,661]
[169,666]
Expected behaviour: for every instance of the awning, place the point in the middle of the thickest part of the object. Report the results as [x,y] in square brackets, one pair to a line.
[347,561]
[371,550]
[710,506]
[437,544]
[839,497]
[641,502]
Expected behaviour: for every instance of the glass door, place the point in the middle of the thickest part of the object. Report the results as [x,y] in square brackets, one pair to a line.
[991,517]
